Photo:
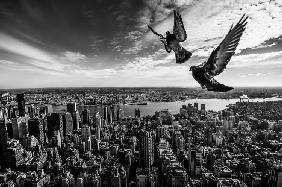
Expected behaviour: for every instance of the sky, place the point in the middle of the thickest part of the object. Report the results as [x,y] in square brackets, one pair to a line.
[106,43]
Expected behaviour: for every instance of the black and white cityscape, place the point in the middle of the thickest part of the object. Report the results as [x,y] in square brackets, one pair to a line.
[105,137]
[140,93]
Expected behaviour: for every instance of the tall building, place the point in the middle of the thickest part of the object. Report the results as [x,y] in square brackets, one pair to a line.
[115,110]
[137,113]
[23,127]
[106,115]
[147,148]
[3,139]
[98,122]
[67,124]
[15,128]
[203,108]
[75,118]
[192,161]
[31,110]
[196,106]
[55,123]
[35,128]
[120,114]
[9,126]
[71,107]
[85,116]
[21,104]
[85,133]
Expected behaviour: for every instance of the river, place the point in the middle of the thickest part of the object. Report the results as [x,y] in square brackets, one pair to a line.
[174,107]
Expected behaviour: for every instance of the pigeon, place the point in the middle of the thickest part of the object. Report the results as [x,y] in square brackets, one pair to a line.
[172,40]
[219,58]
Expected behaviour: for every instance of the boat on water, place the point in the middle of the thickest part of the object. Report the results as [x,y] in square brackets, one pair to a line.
[139,103]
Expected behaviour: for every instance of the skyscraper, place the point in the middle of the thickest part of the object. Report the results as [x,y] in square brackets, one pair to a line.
[203,108]
[15,128]
[196,106]
[71,107]
[85,116]
[55,123]
[137,113]
[98,125]
[21,104]
[23,127]
[3,139]
[147,148]
[67,124]
[35,128]
[106,115]
[85,133]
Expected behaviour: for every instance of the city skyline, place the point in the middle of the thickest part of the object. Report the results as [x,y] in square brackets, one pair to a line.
[107,44]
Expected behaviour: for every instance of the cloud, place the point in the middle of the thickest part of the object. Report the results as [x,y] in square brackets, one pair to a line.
[254,60]
[255,74]
[74,57]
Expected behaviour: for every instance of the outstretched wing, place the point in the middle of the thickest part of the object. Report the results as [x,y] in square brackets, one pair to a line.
[178,28]
[215,86]
[220,57]
[159,35]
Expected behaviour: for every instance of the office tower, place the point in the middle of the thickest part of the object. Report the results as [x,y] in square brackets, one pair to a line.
[98,126]
[85,133]
[115,109]
[56,139]
[120,114]
[21,104]
[115,178]
[198,163]
[71,107]
[31,110]
[9,126]
[203,108]
[13,113]
[137,113]
[225,124]
[231,121]
[147,149]
[55,123]
[106,114]
[75,118]
[68,124]
[35,128]
[192,161]
[85,116]
[49,109]
[196,106]
[23,127]
[15,128]
[3,139]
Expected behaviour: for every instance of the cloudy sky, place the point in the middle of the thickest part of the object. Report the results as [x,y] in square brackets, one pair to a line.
[53,43]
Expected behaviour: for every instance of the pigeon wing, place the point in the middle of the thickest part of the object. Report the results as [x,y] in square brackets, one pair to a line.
[220,57]
[215,86]
[159,35]
[178,28]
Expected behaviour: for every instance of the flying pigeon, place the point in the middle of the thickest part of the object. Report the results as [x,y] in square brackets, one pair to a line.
[219,58]
[172,41]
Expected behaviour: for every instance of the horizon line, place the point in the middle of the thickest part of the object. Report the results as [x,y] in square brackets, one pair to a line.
[96,87]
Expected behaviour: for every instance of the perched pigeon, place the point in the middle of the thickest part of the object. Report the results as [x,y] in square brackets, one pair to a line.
[219,58]
[172,41]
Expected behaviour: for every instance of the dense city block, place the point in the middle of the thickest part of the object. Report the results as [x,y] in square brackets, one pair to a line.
[93,143]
